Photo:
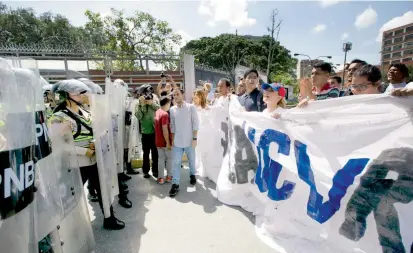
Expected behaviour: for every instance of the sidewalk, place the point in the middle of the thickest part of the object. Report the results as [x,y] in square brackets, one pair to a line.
[193,222]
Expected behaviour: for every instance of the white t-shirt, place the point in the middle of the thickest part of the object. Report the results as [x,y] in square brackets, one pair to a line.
[392,87]
[279,110]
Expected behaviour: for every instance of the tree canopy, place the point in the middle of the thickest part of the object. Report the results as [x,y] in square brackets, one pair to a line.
[226,51]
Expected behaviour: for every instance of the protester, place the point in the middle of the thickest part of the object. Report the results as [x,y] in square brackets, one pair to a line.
[366,80]
[397,75]
[335,81]
[163,140]
[274,98]
[208,92]
[146,115]
[184,128]
[167,84]
[241,88]
[252,100]
[320,88]
[70,95]
[200,100]
[352,67]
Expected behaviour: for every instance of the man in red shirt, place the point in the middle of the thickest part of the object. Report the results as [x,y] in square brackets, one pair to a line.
[163,140]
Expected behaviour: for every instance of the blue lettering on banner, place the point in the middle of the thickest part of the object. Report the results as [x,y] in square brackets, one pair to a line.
[267,177]
[268,172]
[316,209]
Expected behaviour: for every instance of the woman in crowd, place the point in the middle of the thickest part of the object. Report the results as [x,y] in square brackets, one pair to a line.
[200,99]
[274,98]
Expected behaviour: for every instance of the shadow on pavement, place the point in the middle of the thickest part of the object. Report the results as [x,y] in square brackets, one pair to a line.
[127,240]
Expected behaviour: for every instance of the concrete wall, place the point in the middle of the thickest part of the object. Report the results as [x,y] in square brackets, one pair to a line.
[208,76]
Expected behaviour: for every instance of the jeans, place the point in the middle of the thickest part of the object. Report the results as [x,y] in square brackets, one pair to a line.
[177,154]
[164,162]
[148,146]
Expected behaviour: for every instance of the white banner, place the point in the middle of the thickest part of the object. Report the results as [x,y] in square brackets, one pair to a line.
[333,177]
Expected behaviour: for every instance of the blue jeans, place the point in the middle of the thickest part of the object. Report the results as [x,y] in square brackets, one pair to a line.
[177,154]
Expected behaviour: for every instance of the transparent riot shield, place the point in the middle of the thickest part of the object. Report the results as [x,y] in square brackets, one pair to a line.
[74,232]
[105,151]
[117,95]
[17,164]
[134,144]
[49,209]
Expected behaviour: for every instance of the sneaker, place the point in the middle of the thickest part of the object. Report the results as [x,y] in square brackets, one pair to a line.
[168,179]
[161,181]
[174,190]
[146,176]
[193,180]
[112,223]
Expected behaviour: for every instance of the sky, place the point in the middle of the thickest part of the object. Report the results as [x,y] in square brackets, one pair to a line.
[314,28]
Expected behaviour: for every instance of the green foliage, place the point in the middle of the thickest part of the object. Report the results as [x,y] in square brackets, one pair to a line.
[286,79]
[138,35]
[22,26]
[226,51]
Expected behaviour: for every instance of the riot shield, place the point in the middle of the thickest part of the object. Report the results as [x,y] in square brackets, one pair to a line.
[117,95]
[49,209]
[105,151]
[17,164]
[74,232]
[134,142]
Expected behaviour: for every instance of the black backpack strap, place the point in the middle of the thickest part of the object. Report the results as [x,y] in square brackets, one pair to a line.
[79,122]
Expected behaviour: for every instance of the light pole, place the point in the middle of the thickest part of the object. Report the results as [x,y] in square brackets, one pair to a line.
[346,47]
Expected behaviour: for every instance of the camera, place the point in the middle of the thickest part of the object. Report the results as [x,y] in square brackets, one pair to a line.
[146,91]
[163,75]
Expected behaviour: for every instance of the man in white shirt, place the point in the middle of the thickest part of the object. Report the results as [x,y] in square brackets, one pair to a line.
[224,88]
[184,128]
[397,75]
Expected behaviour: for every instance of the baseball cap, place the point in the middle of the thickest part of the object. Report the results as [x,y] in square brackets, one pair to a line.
[276,87]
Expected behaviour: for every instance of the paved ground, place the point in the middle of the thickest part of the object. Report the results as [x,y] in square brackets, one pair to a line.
[193,222]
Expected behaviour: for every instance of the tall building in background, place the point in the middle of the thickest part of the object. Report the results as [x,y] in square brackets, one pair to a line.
[397,46]
[304,67]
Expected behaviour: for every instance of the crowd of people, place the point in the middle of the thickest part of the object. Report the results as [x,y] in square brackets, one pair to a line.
[169,125]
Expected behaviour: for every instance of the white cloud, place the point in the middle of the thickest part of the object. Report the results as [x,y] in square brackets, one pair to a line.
[327,3]
[232,11]
[344,36]
[366,19]
[405,19]
[319,28]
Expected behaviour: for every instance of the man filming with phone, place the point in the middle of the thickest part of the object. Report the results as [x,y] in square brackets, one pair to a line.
[146,115]
[167,84]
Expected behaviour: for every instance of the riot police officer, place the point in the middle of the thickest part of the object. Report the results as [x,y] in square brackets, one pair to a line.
[69,96]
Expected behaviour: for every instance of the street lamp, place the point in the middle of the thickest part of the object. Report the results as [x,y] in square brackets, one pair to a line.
[346,47]
[311,61]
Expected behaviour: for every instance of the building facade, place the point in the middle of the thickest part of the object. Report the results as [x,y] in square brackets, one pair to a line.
[397,46]
[304,67]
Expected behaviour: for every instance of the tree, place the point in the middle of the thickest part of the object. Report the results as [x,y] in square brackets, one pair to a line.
[22,26]
[138,35]
[226,51]
[274,30]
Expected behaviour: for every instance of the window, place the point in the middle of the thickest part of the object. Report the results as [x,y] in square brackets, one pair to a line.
[408,44]
[395,61]
[408,37]
[388,35]
[398,54]
[397,47]
[407,52]
[407,59]
[387,42]
[409,29]
[398,39]
[398,32]
[386,49]
[386,56]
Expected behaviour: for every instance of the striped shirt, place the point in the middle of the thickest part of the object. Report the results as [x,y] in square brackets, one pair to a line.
[327,92]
